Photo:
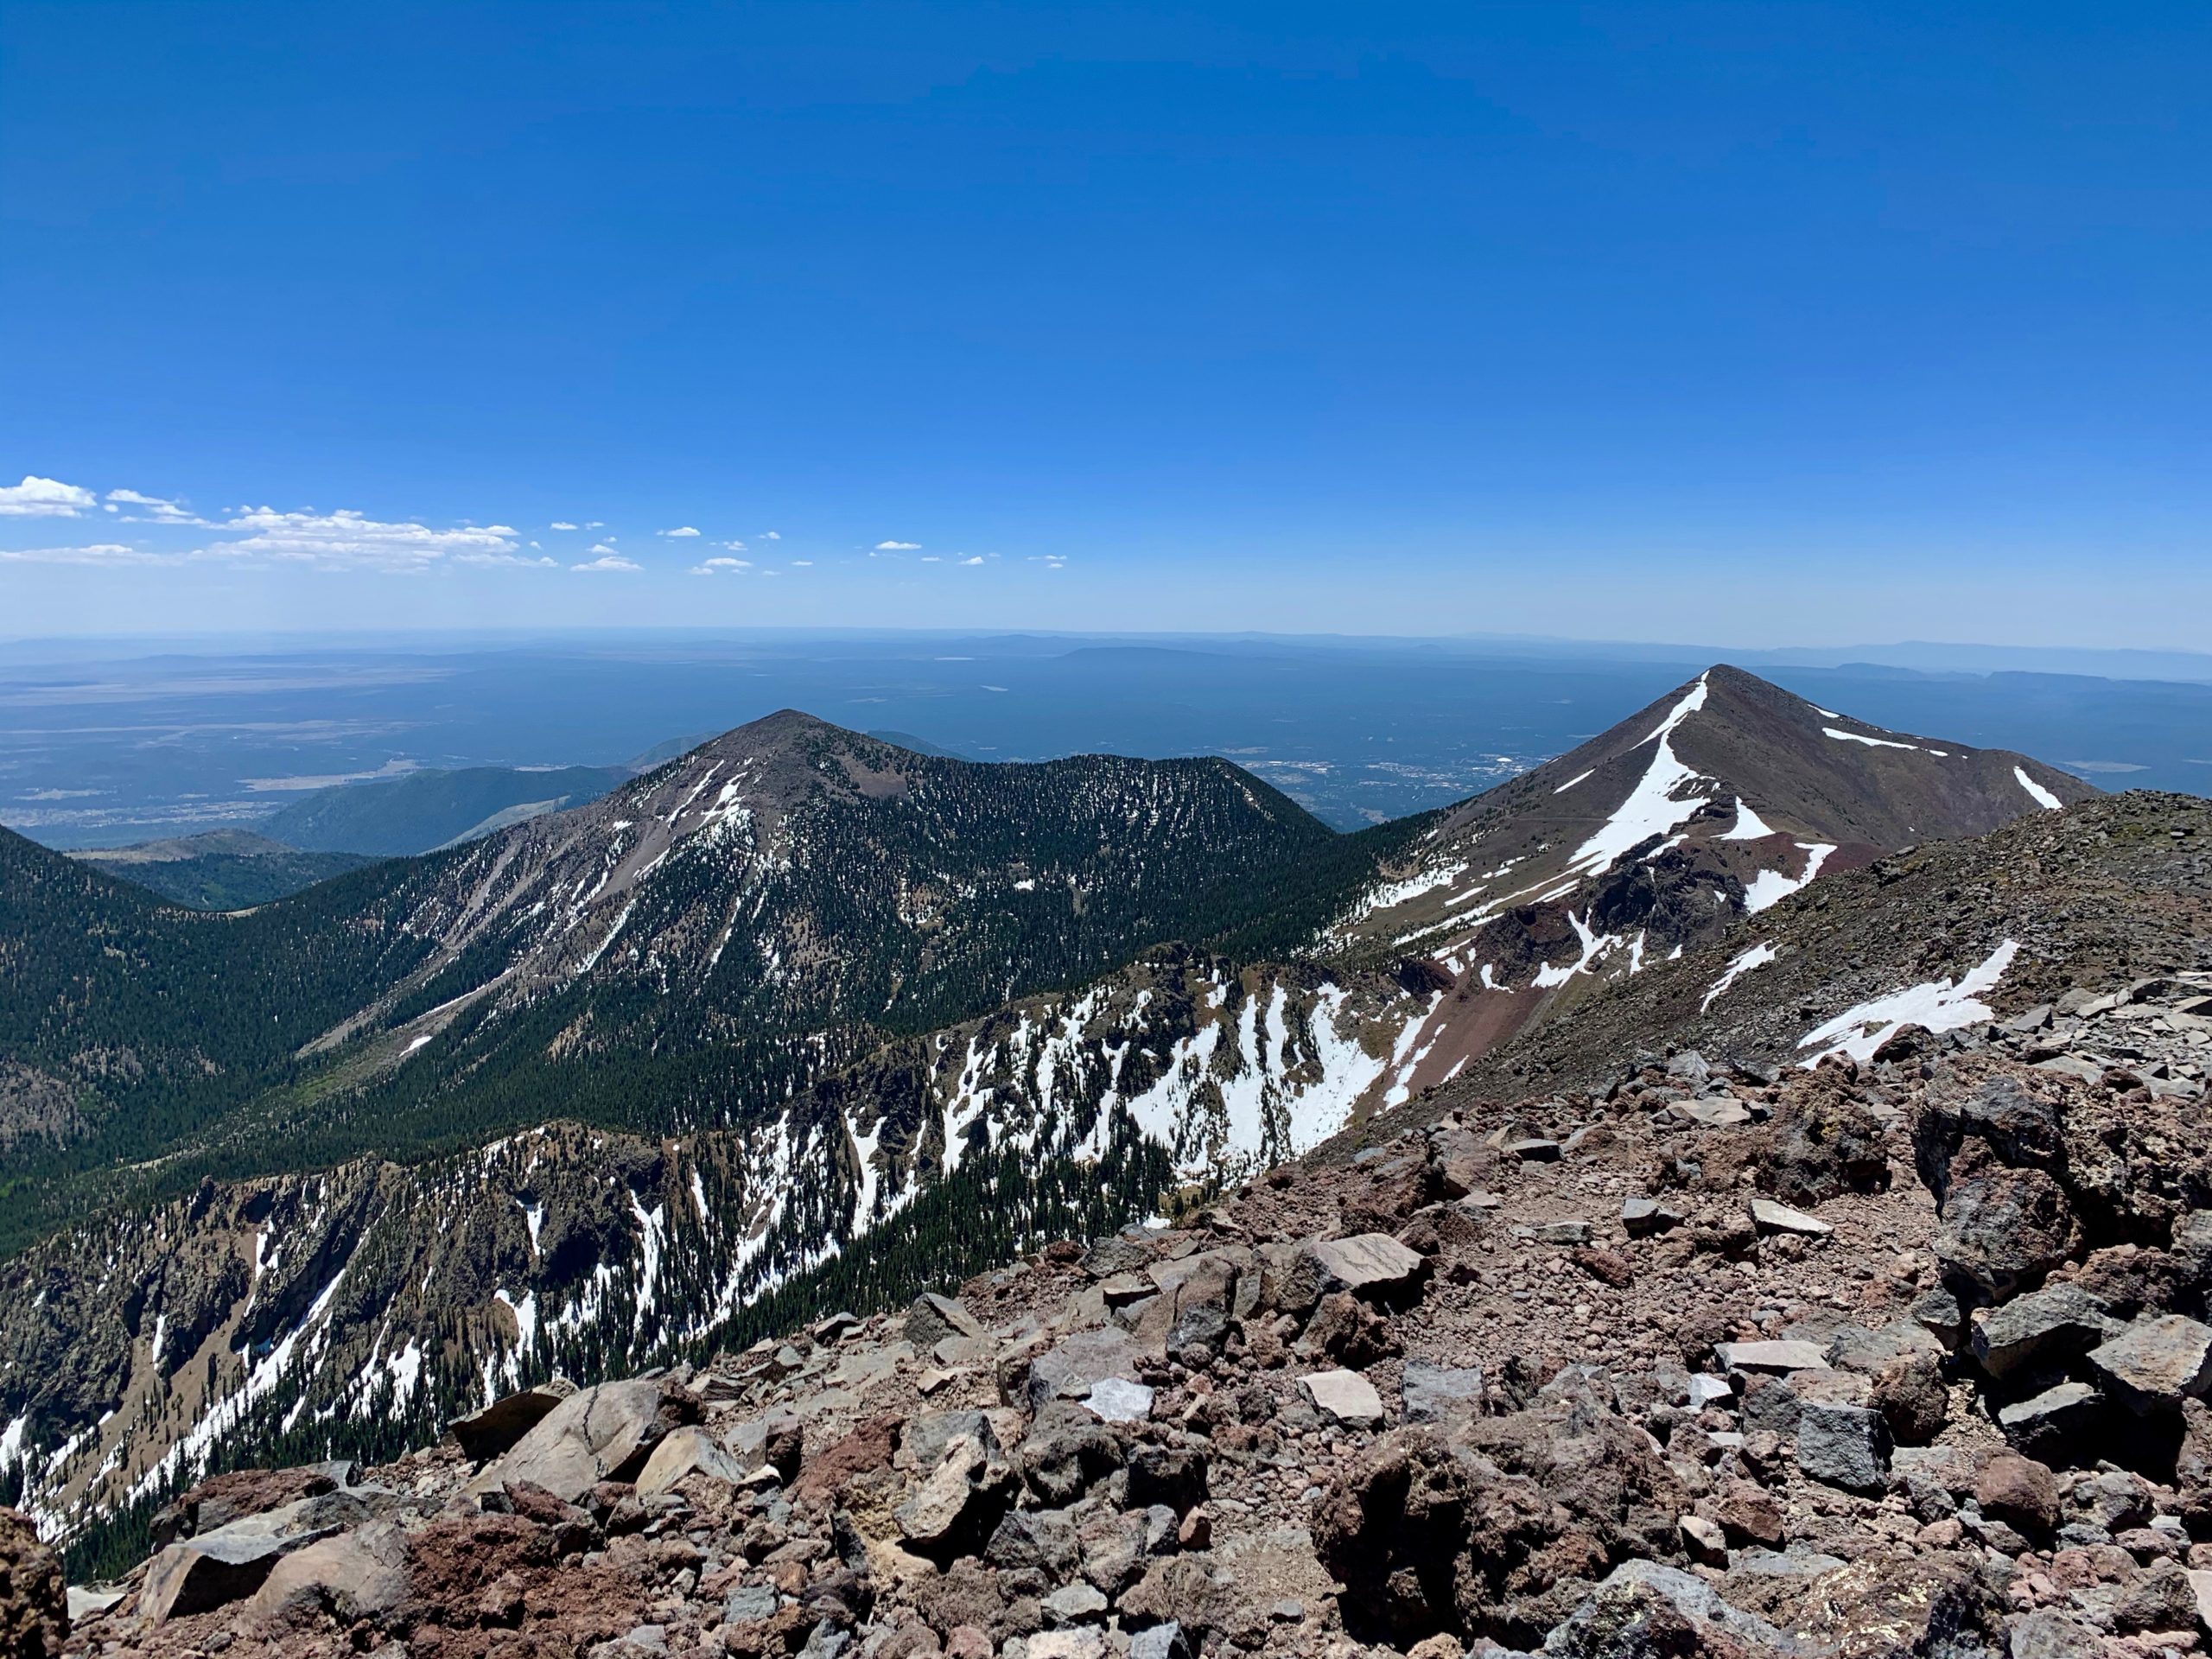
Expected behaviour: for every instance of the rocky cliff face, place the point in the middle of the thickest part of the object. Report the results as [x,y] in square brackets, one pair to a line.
[1903,1353]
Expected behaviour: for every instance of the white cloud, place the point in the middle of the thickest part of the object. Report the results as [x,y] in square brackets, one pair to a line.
[560,524]
[931,558]
[721,567]
[898,547]
[612,561]
[802,564]
[681,529]
[594,524]
[347,540]
[602,547]
[157,511]
[734,547]
[978,559]
[102,553]
[43,497]
[771,535]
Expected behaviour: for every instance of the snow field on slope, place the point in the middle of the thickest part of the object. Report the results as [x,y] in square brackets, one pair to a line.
[1939,1005]
[1770,887]
[2042,797]
[1652,807]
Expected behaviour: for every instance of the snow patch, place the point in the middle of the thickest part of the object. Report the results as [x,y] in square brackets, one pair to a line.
[1653,807]
[1749,826]
[1871,743]
[1939,1006]
[1594,947]
[1770,887]
[2037,792]
[1757,956]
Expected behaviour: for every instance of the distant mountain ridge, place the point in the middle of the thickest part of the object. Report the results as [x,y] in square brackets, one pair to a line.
[687,952]
[429,808]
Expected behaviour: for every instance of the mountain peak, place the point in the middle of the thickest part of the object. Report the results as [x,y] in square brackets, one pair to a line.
[1717,801]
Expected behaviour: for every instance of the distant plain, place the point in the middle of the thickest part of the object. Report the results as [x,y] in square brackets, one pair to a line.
[104,743]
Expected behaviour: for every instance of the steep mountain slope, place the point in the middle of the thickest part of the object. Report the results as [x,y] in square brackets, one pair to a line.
[351,1309]
[222,869]
[691,951]
[1898,1356]
[369,1301]
[1659,836]
[126,1022]
[425,811]
[1946,935]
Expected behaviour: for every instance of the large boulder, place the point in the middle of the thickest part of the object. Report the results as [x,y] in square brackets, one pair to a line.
[2002,1230]
[2018,1127]
[2019,1491]
[221,1499]
[2028,1170]
[933,1318]
[213,1569]
[598,1433]
[1077,1364]
[1822,1141]
[1066,1451]
[2043,1330]
[1477,1530]
[2155,1364]
[685,1452]
[1844,1444]
[1372,1266]
[348,1576]
[968,1484]
[1439,1394]
[1644,1610]
[34,1599]
[490,1430]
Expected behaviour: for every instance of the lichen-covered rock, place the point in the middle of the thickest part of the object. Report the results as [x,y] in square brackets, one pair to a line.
[34,1600]
[1474,1532]
[1820,1143]
[2002,1230]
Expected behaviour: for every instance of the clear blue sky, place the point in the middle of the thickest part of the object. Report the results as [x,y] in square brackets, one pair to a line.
[1763,323]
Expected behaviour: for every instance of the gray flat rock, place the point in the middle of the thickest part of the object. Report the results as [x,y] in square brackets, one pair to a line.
[1343,1397]
[1773,1358]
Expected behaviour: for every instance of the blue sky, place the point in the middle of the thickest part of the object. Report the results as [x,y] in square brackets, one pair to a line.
[1762,324]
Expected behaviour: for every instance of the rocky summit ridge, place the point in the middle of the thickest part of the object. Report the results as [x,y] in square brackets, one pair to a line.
[1904,1351]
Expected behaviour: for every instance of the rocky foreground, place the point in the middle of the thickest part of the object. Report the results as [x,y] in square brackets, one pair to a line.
[1905,1357]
